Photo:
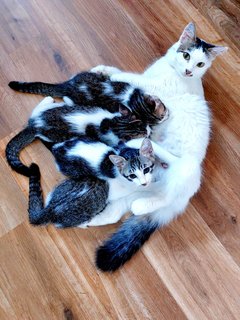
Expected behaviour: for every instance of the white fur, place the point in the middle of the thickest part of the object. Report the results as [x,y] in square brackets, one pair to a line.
[46,104]
[79,120]
[84,89]
[92,152]
[181,141]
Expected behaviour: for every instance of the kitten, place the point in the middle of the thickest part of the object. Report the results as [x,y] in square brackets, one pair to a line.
[178,72]
[181,142]
[57,122]
[82,157]
[75,202]
[85,88]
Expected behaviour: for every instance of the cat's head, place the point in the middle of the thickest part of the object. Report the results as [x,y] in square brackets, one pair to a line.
[147,108]
[193,55]
[138,168]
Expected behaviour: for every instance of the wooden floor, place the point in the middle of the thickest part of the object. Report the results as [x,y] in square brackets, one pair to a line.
[188,270]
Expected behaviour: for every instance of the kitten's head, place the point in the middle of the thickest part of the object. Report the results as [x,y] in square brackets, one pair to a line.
[194,56]
[138,167]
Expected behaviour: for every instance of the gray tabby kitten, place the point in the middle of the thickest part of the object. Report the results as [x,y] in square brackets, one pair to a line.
[74,202]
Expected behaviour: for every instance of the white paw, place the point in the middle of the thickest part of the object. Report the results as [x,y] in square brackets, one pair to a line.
[105,70]
[47,100]
[138,207]
[83,225]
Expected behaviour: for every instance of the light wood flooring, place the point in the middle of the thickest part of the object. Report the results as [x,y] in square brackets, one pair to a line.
[188,270]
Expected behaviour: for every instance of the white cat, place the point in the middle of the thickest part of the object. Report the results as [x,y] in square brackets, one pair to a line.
[181,142]
[178,72]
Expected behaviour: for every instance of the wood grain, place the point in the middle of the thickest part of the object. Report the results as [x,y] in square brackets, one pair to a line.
[188,270]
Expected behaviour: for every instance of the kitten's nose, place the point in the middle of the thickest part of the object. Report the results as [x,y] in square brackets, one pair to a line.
[144,184]
[188,72]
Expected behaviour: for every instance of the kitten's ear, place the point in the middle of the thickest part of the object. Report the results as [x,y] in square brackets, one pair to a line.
[118,161]
[188,36]
[125,112]
[146,149]
[216,50]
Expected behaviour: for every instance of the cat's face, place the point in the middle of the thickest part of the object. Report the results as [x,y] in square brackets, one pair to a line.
[138,169]
[193,55]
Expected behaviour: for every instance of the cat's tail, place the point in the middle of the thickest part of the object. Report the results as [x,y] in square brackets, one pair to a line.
[37,213]
[14,147]
[45,89]
[123,244]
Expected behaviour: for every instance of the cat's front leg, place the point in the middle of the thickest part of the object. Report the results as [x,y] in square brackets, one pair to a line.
[105,70]
[147,205]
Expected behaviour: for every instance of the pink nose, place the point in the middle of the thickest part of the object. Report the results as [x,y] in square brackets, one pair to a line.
[188,72]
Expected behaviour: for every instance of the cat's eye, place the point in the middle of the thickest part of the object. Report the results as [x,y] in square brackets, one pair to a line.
[146,170]
[200,64]
[186,55]
[132,176]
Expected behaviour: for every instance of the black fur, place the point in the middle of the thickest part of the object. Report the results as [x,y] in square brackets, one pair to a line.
[76,167]
[69,205]
[71,88]
[123,244]
[56,129]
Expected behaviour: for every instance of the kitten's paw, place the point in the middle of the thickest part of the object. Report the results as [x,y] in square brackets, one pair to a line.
[105,70]
[47,100]
[138,207]
[83,225]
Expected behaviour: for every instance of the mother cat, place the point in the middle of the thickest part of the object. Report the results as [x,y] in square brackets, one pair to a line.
[181,142]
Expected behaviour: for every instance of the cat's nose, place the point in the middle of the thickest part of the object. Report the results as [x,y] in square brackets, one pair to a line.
[188,72]
[144,184]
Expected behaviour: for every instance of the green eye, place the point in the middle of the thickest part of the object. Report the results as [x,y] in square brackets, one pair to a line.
[200,64]
[186,55]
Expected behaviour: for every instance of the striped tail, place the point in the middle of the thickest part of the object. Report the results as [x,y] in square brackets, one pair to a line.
[14,147]
[37,213]
[45,89]
[123,244]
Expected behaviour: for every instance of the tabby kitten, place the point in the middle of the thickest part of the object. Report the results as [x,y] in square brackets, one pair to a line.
[57,122]
[74,202]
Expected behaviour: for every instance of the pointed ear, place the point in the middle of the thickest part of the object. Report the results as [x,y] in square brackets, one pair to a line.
[216,50]
[146,149]
[125,112]
[188,36]
[118,161]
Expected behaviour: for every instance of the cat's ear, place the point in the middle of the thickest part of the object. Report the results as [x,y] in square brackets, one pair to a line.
[118,161]
[188,37]
[216,50]
[146,149]
[125,112]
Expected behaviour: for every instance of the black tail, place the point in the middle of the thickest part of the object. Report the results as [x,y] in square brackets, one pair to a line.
[123,244]
[45,89]
[14,147]
[37,213]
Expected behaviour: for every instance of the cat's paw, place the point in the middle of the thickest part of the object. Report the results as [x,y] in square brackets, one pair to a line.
[105,70]
[138,207]
[83,225]
[47,100]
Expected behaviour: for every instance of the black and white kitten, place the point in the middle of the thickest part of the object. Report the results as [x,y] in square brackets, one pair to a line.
[75,202]
[85,157]
[85,88]
[56,122]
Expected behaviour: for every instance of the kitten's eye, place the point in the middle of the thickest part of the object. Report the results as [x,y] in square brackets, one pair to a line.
[200,64]
[146,170]
[132,176]
[186,55]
